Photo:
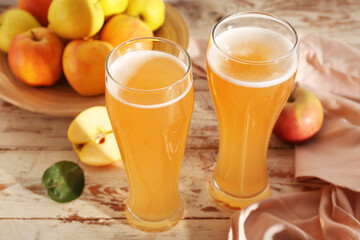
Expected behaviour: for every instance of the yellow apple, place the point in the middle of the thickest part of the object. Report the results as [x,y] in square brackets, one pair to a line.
[84,65]
[12,23]
[121,28]
[35,57]
[92,137]
[112,7]
[152,12]
[72,19]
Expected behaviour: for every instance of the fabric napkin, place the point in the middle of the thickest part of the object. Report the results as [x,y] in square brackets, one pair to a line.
[331,70]
[330,213]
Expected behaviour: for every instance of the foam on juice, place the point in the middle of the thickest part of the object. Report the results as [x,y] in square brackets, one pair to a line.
[139,70]
[250,46]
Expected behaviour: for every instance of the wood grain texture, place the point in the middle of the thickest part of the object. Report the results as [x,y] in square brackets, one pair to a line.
[339,19]
[30,142]
[110,229]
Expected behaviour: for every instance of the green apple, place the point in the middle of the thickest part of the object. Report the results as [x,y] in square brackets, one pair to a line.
[111,7]
[152,12]
[12,23]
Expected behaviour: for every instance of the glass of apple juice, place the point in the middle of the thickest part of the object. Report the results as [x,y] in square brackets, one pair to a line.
[252,60]
[150,98]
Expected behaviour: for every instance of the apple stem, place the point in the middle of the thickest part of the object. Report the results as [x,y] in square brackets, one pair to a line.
[35,38]
[141,18]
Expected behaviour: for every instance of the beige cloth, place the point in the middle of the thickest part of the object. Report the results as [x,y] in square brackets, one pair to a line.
[330,213]
[331,70]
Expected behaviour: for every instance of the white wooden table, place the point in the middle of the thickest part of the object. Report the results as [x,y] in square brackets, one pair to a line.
[31,142]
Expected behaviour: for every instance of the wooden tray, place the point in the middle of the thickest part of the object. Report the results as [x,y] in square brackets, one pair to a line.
[60,99]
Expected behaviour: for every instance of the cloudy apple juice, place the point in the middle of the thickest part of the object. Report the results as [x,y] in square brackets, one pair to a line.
[150,111]
[248,91]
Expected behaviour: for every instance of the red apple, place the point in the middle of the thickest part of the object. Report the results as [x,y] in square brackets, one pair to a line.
[35,57]
[131,27]
[301,118]
[84,65]
[37,8]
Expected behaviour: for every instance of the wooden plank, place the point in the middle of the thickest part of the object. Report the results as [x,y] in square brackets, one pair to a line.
[44,229]
[26,130]
[338,19]
[22,194]
[30,142]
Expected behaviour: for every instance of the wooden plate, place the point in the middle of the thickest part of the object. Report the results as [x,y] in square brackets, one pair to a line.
[60,99]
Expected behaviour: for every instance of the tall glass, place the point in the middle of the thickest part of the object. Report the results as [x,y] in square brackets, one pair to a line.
[149,98]
[252,60]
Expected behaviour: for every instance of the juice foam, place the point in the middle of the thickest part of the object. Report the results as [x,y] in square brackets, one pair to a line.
[249,48]
[136,71]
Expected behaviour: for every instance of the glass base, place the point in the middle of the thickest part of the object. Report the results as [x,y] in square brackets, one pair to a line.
[230,203]
[154,226]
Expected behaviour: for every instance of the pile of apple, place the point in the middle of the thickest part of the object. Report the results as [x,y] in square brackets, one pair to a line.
[46,38]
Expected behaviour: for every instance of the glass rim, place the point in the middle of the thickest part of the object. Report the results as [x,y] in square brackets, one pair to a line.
[153,39]
[275,60]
